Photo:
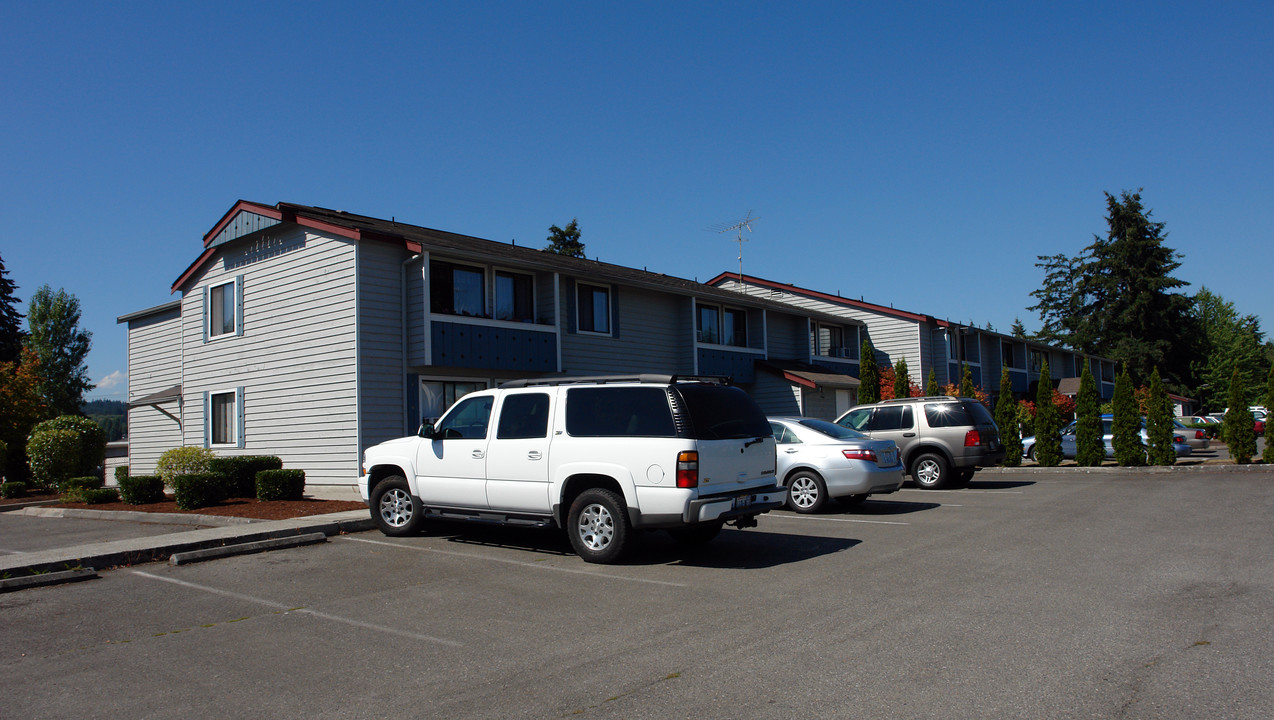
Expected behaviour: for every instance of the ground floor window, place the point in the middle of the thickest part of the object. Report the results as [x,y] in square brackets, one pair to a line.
[225,418]
[438,395]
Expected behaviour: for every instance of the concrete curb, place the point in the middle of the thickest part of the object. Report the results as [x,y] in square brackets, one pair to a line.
[161,547]
[138,517]
[49,578]
[247,548]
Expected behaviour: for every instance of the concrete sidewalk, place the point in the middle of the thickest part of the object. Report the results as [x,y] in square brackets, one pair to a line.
[212,536]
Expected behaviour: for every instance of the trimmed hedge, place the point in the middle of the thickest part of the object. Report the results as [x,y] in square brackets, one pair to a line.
[198,490]
[184,460]
[74,489]
[121,472]
[96,496]
[141,489]
[280,484]
[13,489]
[90,448]
[53,456]
[242,471]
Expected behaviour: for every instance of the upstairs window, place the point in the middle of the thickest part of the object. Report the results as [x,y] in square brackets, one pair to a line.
[457,289]
[514,297]
[224,304]
[834,341]
[594,308]
[709,324]
[723,326]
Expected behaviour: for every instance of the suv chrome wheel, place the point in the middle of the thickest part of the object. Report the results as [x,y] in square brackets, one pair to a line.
[394,509]
[598,526]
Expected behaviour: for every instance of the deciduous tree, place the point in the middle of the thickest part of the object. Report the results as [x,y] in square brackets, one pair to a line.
[55,335]
[1229,342]
[21,408]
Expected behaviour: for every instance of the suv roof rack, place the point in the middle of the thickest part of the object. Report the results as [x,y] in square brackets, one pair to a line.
[650,378]
[925,397]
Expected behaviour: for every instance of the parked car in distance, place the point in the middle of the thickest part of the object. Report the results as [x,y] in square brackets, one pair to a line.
[819,461]
[1070,446]
[943,439]
[1197,439]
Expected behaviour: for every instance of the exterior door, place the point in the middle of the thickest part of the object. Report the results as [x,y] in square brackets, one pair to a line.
[452,470]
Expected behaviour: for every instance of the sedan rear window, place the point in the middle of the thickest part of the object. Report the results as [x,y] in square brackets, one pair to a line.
[832,429]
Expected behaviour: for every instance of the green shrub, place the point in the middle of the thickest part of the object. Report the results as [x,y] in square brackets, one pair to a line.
[196,490]
[91,445]
[121,472]
[97,496]
[183,461]
[72,489]
[141,489]
[13,489]
[280,484]
[53,456]
[242,471]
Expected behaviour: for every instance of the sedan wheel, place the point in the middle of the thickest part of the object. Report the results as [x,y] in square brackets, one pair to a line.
[806,493]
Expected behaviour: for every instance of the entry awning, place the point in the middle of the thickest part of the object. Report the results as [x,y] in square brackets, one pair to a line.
[810,376]
[172,393]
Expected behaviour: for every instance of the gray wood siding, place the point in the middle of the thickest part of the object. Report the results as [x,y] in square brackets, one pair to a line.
[295,360]
[382,405]
[819,404]
[154,364]
[789,337]
[775,395]
[417,309]
[653,329]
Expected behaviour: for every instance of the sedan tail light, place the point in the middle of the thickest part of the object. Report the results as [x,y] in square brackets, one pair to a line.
[1199,435]
[859,454]
[972,439]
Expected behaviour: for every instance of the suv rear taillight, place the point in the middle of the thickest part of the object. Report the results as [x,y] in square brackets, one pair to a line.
[1198,435]
[859,454]
[688,469]
[972,439]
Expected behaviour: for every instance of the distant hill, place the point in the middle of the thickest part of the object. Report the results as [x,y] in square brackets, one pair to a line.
[112,415]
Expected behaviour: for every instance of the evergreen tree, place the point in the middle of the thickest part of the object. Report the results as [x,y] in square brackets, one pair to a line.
[1159,427]
[565,241]
[1089,448]
[1006,419]
[1126,425]
[902,381]
[1048,423]
[1118,297]
[868,375]
[1018,330]
[966,382]
[55,335]
[932,388]
[11,335]
[1268,454]
[1238,431]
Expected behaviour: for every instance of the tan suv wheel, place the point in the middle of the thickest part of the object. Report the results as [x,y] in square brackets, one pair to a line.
[930,471]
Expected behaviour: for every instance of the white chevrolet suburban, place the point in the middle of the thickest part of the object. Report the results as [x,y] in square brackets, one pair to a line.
[598,457]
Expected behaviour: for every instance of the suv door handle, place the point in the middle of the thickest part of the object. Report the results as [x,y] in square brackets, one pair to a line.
[534,455]
[790,451]
[478,454]
[908,434]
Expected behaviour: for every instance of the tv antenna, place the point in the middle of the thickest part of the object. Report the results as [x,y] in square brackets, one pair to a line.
[738,228]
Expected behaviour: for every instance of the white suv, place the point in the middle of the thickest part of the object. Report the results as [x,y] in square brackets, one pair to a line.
[596,456]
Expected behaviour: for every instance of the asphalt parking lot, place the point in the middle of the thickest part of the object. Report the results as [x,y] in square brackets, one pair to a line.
[1027,595]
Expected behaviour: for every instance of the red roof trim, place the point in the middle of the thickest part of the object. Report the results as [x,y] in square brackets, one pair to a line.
[799,380]
[829,298]
[257,208]
[194,268]
[326,227]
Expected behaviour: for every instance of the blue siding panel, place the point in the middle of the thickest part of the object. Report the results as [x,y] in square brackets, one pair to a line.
[739,366]
[494,348]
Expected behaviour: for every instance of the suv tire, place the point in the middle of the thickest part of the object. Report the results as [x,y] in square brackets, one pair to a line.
[396,512]
[931,471]
[598,526]
[806,492]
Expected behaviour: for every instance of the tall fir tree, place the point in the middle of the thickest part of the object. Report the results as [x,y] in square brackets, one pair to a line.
[565,241]
[966,382]
[11,334]
[1159,427]
[1238,431]
[1006,419]
[1268,453]
[1048,423]
[932,388]
[1089,448]
[1125,426]
[868,375]
[902,380]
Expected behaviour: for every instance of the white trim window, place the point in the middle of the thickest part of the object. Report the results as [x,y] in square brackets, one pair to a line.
[223,413]
[593,305]
[723,325]
[514,296]
[223,309]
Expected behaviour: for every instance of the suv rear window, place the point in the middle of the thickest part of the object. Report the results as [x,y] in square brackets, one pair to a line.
[719,412]
[947,414]
[620,412]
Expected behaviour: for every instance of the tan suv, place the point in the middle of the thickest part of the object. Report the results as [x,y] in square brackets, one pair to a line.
[942,440]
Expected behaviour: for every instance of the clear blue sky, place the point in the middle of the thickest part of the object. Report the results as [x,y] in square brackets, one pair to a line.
[914,154]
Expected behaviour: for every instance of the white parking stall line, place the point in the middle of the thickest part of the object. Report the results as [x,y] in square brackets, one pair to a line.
[306,611]
[832,519]
[519,563]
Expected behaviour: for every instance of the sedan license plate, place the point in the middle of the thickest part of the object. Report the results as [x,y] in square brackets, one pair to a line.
[743,501]
[888,459]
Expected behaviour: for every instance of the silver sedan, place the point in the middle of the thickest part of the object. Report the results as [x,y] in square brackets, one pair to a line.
[818,460]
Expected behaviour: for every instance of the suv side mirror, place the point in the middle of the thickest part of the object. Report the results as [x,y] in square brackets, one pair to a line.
[426,429]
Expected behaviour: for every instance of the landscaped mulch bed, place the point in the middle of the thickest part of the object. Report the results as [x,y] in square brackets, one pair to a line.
[237,507]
